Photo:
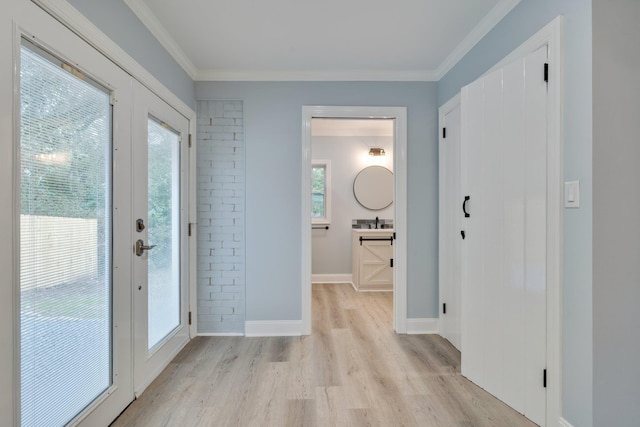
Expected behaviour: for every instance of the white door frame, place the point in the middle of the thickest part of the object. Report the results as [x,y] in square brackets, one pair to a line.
[400,203]
[444,278]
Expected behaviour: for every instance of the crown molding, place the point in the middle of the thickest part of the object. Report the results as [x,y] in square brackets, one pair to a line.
[149,19]
[68,15]
[496,14]
[310,75]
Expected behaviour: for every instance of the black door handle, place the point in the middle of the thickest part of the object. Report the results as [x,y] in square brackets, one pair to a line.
[464,206]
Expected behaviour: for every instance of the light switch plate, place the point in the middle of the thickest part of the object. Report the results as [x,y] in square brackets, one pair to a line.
[572,194]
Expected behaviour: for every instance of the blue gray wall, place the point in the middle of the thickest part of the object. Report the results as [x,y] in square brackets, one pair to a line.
[273,119]
[521,23]
[616,232]
[116,20]
[600,342]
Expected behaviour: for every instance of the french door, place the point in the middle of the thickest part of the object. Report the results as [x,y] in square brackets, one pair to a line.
[160,144]
[102,216]
[75,263]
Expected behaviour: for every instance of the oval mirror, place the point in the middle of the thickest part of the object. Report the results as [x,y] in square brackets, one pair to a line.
[373,187]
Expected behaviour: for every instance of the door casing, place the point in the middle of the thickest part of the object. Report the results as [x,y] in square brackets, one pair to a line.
[450,224]
[400,203]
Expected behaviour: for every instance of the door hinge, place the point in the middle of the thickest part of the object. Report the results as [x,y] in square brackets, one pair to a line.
[190,224]
[189,317]
[394,235]
[391,263]
[546,72]
[544,378]
[444,308]
[189,140]
[444,133]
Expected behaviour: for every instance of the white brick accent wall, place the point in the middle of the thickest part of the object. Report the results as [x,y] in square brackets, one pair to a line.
[221,213]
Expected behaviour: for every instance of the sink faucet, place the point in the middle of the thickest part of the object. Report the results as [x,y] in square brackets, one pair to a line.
[377,220]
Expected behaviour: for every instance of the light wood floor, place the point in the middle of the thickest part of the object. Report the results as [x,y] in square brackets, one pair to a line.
[352,371]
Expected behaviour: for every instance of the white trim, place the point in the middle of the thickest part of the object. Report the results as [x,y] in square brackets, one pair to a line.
[67,14]
[315,75]
[193,239]
[150,20]
[273,328]
[422,326]
[220,334]
[332,278]
[564,423]
[400,204]
[496,14]
[548,35]
[85,29]
[554,33]
[443,277]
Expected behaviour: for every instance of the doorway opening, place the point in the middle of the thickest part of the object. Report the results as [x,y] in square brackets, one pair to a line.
[396,115]
[352,209]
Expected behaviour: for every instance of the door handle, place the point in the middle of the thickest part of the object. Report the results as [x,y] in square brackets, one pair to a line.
[464,206]
[141,247]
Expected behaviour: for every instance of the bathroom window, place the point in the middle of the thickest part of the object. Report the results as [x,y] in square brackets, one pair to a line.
[321,192]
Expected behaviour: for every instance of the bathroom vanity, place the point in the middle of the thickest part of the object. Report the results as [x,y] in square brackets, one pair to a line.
[372,253]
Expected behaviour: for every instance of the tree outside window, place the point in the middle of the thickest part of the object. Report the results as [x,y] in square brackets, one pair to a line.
[321,192]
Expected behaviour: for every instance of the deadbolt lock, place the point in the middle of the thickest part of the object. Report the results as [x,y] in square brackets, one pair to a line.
[139,225]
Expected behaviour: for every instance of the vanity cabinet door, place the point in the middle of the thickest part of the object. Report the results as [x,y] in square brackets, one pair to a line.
[375,265]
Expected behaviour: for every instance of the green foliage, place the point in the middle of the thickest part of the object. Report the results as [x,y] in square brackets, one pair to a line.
[64,141]
[318,191]
[163,200]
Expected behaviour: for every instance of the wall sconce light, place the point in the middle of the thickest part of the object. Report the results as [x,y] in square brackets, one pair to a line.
[376,152]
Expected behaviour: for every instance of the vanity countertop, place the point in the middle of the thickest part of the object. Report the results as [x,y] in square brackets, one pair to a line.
[372,230]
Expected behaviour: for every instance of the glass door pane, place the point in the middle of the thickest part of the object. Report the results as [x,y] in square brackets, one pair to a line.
[164,231]
[65,240]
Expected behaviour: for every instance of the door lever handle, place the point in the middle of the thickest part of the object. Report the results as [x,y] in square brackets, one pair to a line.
[141,247]
[464,206]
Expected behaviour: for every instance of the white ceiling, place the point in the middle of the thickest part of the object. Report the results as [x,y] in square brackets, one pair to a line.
[403,40]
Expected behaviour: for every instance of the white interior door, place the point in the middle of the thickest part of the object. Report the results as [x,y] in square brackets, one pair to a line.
[160,280]
[74,187]
[504,143]
[450,237]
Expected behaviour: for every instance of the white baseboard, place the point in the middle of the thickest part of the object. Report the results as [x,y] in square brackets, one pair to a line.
[564,423]
[331,278]
[422,326]
[273,328]
[220,334]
